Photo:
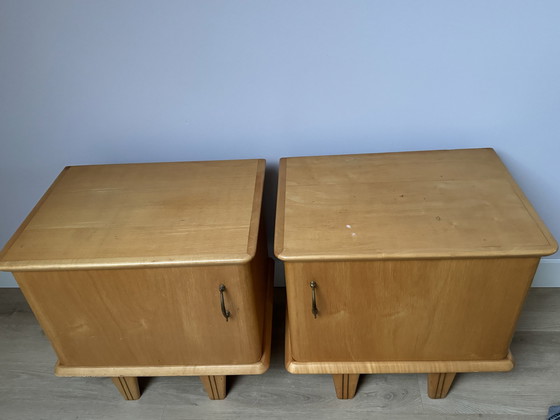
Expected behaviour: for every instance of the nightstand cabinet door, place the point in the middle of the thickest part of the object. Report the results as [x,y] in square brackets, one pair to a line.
[150,317]
[409,310]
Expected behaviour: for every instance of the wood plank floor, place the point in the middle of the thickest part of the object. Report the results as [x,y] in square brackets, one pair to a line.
[29,389]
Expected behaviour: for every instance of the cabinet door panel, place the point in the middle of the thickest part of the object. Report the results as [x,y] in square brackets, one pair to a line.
[457,309]
[147,317]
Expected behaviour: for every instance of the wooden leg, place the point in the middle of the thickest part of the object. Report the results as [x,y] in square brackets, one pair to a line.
[439,384]
[345,385]
[215,386]
[127,386]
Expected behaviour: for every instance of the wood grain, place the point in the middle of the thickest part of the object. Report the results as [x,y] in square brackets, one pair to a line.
[345,385]
[418,262]
[147,317]
[215,386]
[142,215]
[256,368]
[439,384]
[409,310]
[437,204]
[128,387]
[150,269]
[379,367]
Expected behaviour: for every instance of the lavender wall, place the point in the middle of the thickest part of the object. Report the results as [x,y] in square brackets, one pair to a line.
[139,81]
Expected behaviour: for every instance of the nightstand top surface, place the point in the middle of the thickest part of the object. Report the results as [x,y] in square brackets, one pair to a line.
[433,204]
[137,215]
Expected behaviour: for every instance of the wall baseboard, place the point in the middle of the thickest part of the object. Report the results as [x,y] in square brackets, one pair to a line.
[548,275]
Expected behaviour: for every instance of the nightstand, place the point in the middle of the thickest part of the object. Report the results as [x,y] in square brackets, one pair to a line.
[156,269]
[414,262]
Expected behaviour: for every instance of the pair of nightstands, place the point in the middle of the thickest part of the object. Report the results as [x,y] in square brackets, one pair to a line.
[399,262]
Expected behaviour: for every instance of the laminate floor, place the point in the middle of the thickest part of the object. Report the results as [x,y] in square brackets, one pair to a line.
[29,389]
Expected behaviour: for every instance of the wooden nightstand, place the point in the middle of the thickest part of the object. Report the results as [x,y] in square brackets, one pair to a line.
[155,269]
[404,262]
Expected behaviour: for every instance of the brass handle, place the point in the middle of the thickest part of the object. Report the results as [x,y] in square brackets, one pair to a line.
[314,309]
[225,312]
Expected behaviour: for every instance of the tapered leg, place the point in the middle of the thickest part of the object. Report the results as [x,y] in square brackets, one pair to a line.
[439,384]
[215,386]
[127,386]
[345,385]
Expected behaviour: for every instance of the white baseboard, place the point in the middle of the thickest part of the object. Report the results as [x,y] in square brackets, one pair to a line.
[548,275]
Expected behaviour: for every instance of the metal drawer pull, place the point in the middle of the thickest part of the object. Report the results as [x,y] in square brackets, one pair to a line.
[314,309]
[225,312]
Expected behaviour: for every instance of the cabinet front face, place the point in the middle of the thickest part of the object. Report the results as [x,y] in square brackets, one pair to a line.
[417,310]
[150,317]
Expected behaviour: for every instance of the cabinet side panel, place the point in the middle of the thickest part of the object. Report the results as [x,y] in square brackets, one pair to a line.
[35,302]
[145,317]
[257,275]
[458,309]
[252,286]
[299,310]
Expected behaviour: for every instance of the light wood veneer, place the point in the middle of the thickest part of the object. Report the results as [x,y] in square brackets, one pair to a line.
[421,262]
[122,265]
